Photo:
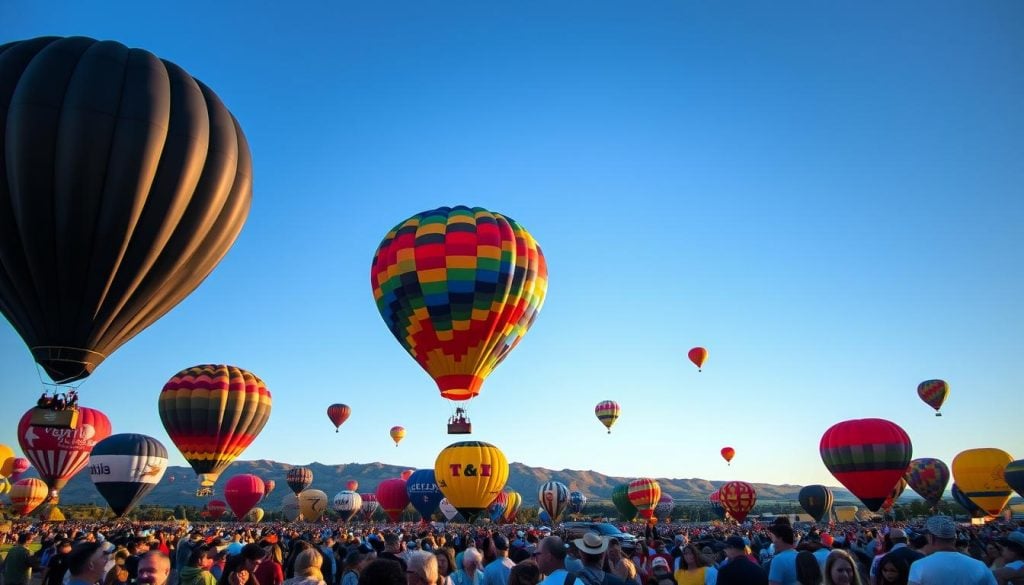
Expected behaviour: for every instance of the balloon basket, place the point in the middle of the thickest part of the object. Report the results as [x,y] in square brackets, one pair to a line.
[62,419]
[938,414]
[459,423]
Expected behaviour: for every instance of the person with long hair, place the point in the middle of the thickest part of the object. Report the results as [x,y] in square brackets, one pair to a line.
[694,569]
[841,569]
[808,571]
[308,571]
[271,569]
[893,571]
[445,564]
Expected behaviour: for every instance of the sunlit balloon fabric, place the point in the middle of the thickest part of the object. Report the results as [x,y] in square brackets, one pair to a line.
[496,509]
[698,356]
[458,288]
[397,434]
[470,474]
[212,413]
[933,393]
[312,504]
[738,499]
[290,507]
[58,454]
[393,497]
[728,453]
[27,494]
[980,475]
[512,505]
[255,515]
[126,467]
[242,492]
[338,414]
[644,493]
[554,498]
[973,509]
[6,461]
[299,478]
[125,182]
[868,456]
[346,504]
[370,505]
[607,412]
[620,499]
[816,500]
[928,477]
[424,495]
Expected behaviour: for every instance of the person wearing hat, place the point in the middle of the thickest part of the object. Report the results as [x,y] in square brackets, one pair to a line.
[497,571]
[661,573]
[739,569]
[1013,553]
[592,547]
[944,565]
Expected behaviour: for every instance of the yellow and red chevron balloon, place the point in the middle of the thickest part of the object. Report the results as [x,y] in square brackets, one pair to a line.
[212,413]
[933,393]
[607,412]
[738,499]
[644,494]
[458,287]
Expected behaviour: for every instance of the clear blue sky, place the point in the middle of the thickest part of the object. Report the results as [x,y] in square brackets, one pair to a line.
[829,196]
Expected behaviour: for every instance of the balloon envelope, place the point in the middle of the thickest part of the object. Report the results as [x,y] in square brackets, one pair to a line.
[27,494]
[397,434]
[715,499]
[868,456]
[933,393]
[125,182]
[212,413]
[299,478]
[448,509]
[496,509]
[393,497]
[620,499]
[126,467]
[973,509]
[370,505]
[698,356]
[242,492]
[347,504]
[664,507]
[1014,476]
[728,453]
[644,493]
[816,500]
[928,477]
[216,509]
[512,505]
[312,504]
[738,498]
[424,495]
[471,474]
[458,288]
[554,498]
[338,413]
[290,507]
[6,461]
[57,453]
[577,501]
[255,515]
[979,473]
[607,412]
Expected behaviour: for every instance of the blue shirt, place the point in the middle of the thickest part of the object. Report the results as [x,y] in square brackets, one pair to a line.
[783,568]
[498,571]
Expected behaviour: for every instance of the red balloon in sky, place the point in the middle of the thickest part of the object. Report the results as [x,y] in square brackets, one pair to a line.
[243,492]
[60,453]
[338,413]
[392,497]
[698,356]
[868,456]
[728,453]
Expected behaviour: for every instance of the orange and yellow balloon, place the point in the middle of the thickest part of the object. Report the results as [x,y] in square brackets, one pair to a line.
[644,494]
[397,434]
[459,287]
[607,412]
[470,474]
[698,356]
[27,494]
[979,474]
[728,453]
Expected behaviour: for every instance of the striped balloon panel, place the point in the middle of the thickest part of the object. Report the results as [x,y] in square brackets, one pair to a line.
[27,494]
[347,504]
[868,456]
[738,498]
[928,477]
[299,478]
[816,500]
[515,501]
[973,509]
[212,413]
[58,454]
[496,509]
[1014,476]
[607,412]
[125,468]
[553,497]
[290,507]
[620,499]
[980,473]
[458,288]
[644,493]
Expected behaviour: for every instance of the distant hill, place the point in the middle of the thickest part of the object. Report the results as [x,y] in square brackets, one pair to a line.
[332,478]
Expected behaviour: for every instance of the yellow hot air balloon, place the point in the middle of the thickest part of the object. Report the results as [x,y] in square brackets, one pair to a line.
[313,504]
[979,475]
[6,461]
[27,494]
[5,486]
[397,434]
[471,474]
[255,515]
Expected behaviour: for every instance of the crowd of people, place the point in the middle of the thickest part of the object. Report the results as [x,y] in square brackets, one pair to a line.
[938,551]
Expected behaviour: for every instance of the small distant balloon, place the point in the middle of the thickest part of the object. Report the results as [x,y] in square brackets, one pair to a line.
[698,356]
[397,434]
[933,393]
[338,413]
[728,453]
[607,412]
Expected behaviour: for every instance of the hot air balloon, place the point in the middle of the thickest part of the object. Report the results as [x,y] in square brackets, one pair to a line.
[312,504]
[664,508]
[979,473]
[512,505]
[126,467]
[338,413]
[554,498]
[470,474]
[351,485]
[448,509]
[738,499]
[458,288]
[216,509]
[607,412]
[255,515]
[268,486]
[392,497]
[496,509]
[57,453]
[543,516]
[21,465]
[973,509]
[894,495]
[6,461]
[715,499]
[370,506]
[27,494]
[620,499]
[424,495]
[125,183]
[405,475]
[644,493]
[728,453]
[5,486]
[242,492]
[698,356]
[299,478]
[928,477]
[868,456]
[577,501]
[212,413]
[347,504]
[290,507]
[1014,476]
[397,434]
[933,393]
[816,500]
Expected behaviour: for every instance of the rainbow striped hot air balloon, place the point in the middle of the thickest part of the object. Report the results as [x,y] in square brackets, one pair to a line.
[607,412]
[515,501]
[644,493]
[212,413]
[458,287]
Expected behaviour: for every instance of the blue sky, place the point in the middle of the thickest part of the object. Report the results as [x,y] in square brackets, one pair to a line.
[828,196]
